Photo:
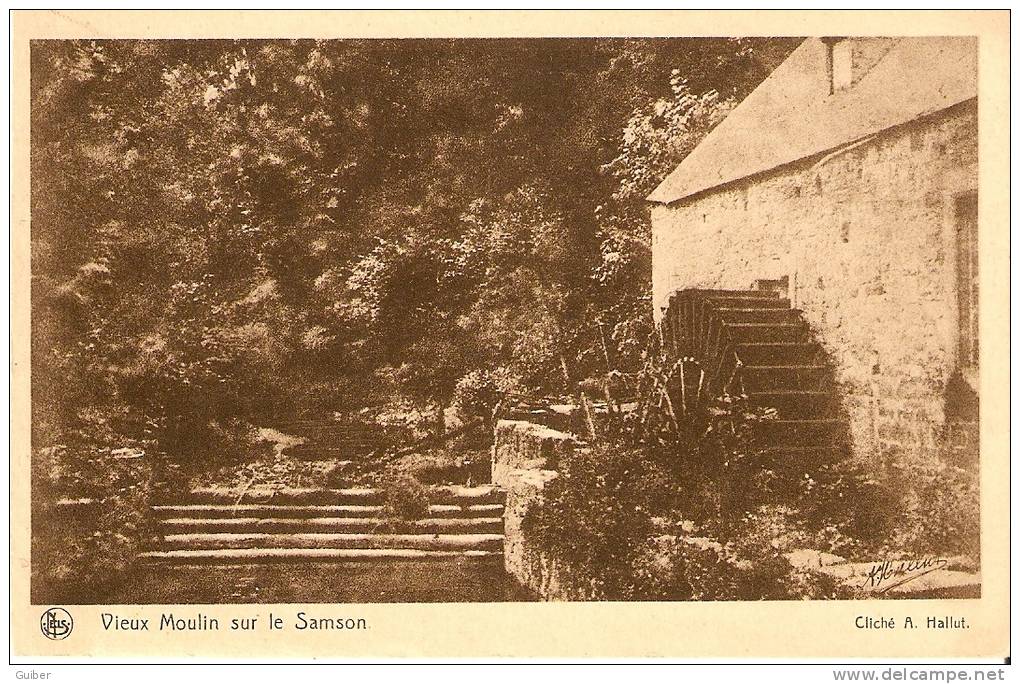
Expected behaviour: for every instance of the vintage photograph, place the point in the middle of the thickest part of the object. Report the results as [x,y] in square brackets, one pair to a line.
[451,320]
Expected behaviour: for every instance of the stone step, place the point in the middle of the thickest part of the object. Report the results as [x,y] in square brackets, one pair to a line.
[777,353]
[328,524]
[800,433]
[799,458]
[798,404]
[324,452]
[766,332]
[450,495]
[291,555]
[328,540]
[776,378]
[757,294]
[758,315]
[314,511]
[746,302]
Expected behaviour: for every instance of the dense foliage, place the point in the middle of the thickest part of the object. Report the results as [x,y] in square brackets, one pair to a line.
[230,234]
[227,232]
[668,504]
[690,514]
[227,235]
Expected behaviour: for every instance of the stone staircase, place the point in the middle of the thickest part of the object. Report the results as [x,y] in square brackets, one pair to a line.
[753,342]
[219,527]
[326,438]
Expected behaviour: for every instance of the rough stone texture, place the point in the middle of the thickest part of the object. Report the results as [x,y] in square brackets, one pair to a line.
[865,235]
[525,456]
[533,568]
[520,445]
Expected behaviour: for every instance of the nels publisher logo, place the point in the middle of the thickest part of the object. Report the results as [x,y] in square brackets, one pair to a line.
[56,623]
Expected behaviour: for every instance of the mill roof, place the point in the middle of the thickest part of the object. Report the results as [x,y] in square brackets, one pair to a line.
[793,114]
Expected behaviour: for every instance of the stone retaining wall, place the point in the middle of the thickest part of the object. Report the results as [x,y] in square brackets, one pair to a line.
[525,458]
[520,445]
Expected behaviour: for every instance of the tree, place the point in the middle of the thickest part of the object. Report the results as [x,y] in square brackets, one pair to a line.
[227,232]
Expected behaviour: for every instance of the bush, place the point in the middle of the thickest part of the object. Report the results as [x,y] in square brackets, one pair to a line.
[237,456]
[750,568]
[940,511]
[595,517]
[448,466]
[223,444]
[922,508]
[91,518]
[710,454]
[847,509]
[723,464]
[604,515]
[479,392]
[760,540]
[405,497]
[676,569]
[702,469]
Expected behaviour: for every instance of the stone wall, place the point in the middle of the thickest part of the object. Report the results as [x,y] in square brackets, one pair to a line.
[520,445]
[524,460]
[866,237]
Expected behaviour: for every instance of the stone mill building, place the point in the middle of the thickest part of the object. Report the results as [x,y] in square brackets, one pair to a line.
[828,227]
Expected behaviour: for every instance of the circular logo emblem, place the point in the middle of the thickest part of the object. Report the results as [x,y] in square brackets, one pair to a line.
[56,623]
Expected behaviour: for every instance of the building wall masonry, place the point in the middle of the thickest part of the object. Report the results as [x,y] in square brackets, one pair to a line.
[866,237]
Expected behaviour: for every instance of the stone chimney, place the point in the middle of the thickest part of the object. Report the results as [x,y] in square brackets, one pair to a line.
[850,59]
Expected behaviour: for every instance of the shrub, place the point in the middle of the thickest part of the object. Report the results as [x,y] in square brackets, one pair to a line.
[940,510]
[920,508]
[702,468]
[710,454]
[405,497]
[760,541]
[229,442]
[677,569]
[847,509]
[447,466]
[748,569]
[479,392]
[595,517]
[604,514]
[90,519]
[719,449]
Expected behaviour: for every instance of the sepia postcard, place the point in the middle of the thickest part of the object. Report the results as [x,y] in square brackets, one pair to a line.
[520,334]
